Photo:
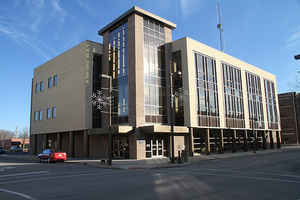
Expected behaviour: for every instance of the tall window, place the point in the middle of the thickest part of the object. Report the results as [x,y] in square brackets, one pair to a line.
[49,113]
[154,73]
[53,112]
[118,62]
[36,116]
[233,95]
[255,103]
[271,105]
[55,80]
[36,88]
[41,115]
[207,91]
[49,82]
[42,86]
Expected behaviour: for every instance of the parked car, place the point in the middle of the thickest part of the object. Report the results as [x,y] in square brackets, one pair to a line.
[15,149]
[49,155]
[2,151]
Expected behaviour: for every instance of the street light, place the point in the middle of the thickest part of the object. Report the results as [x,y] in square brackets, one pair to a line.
[100,100]
[173,94]
[109,128]
[297,57]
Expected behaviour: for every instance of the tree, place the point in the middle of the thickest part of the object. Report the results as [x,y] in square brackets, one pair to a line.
[23,135]
[6,134]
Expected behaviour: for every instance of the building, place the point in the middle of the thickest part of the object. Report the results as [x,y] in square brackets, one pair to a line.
[220,102]
[22,143]
[289,106]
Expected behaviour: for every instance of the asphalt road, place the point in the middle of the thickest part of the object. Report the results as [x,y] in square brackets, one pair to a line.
[268,176]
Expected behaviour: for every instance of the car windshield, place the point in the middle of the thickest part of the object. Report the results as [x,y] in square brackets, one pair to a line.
[46,151]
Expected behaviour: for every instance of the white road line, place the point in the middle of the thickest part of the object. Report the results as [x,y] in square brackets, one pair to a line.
[252,172]
[60,177]
[17,193]
[24,174]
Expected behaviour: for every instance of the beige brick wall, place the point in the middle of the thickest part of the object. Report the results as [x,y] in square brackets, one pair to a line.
[74,71]
[188,47]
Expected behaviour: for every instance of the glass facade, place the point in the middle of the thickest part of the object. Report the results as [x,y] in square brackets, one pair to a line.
[118,63]
[233,96]
[255,103]
[207,91]
[154,72]
[271,105]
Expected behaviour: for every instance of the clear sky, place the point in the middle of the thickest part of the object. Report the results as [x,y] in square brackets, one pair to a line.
[265,33]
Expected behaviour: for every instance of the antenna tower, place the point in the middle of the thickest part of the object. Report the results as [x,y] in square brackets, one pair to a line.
[220,27]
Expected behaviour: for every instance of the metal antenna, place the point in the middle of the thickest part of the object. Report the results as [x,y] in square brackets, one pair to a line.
[219,26]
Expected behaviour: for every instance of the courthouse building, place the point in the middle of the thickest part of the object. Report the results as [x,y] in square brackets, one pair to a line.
[220,102]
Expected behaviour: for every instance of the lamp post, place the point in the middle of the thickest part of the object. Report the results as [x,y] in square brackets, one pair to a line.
[109,162]
[172,95]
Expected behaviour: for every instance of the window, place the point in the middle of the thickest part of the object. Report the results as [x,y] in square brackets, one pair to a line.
[53,112]
[36,88]
[49,113]
[55,80]
[272,113]
[42,86]
[233,96]
[36,116]
[49,82]
[41,115]
[207,91]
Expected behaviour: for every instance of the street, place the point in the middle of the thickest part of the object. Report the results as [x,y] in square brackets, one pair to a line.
[267,176]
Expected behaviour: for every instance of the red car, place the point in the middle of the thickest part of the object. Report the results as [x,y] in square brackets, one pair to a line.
[51,156]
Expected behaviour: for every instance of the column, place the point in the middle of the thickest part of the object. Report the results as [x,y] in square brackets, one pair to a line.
[45,141]
[58,142]
[207,142]
[271,139]
[246,141]
[233,141]
[222,139]
[71,144]
[191,141]
[86,143]
[278,140]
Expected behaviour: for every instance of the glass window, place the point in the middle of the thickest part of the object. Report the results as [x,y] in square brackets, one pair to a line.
[48,113]
[41,115]
[53,112]
[36,88]
[49,82]
[36,116]
[42,86]
[55,79]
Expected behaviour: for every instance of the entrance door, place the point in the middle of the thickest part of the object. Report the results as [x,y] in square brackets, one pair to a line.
[157,147]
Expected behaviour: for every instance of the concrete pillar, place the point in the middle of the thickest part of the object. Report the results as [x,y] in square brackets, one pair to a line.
[246,141]
[278,142]
[86,143]
[234,141]
[222,138]
[45,141]
[71,144]
[191,141]
[207,141]
[264,141]
[271,139]
[58,142]
[33,143]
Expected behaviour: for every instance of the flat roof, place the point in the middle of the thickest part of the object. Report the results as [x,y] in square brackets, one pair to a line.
[140,11]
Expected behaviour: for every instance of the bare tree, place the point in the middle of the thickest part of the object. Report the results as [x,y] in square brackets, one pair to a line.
[24,134]
[6,134]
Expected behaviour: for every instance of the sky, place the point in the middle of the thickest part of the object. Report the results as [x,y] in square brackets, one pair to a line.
[263,33]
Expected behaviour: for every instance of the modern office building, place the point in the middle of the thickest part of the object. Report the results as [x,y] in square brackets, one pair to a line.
[165,95]
[289,106]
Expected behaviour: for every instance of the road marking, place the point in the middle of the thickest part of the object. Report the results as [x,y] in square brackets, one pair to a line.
[6,168]
[240,172]
[17,193]
[24,174]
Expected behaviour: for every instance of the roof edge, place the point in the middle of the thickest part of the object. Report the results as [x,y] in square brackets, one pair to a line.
[138,10]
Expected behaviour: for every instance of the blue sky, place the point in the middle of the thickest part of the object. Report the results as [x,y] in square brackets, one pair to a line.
[263,33]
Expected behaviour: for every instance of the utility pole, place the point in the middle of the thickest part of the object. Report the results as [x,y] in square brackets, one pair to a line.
[220,27]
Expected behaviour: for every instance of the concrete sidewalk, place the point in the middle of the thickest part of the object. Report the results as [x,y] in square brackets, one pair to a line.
[165,162]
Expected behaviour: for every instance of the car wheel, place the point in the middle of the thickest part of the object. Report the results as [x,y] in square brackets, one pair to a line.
[48,160]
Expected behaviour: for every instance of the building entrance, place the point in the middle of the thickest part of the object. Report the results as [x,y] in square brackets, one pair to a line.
[120,147]
[156,146]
